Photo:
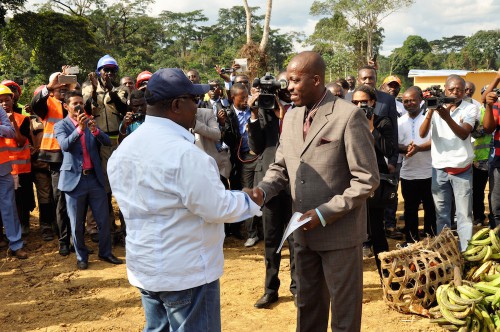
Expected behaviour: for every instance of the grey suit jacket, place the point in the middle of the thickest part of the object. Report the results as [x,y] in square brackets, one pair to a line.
[334,169]
[207,133]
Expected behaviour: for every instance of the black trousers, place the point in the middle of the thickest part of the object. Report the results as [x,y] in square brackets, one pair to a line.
[416,192]
[376,232]
[479,180]
[275,217]
[62,218]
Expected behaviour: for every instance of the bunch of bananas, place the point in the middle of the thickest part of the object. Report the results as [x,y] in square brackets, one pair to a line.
[469,306]
[483,246]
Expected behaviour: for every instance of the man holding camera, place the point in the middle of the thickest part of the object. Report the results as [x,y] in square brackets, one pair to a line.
[82,178]
[263,137]
[451,150]
[47,104]
[136,112]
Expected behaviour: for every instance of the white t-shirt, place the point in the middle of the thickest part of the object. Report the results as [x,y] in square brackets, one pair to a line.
[447,149]
[400,108]
[418,166]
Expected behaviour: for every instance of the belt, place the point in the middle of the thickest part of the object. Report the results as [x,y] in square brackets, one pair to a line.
[88,171]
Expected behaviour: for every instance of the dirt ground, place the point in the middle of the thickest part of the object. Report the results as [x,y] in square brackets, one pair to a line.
[47,293]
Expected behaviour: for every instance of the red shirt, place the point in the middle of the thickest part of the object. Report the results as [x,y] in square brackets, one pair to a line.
[87,162]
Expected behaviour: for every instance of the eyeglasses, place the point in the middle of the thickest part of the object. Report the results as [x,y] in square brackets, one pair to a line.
[357,102]
[192,97]
[110,70]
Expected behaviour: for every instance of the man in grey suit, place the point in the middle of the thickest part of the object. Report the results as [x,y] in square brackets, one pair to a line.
[326,154]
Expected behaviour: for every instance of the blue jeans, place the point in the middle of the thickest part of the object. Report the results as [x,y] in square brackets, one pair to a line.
[445,185]
[8,212]
[194,309]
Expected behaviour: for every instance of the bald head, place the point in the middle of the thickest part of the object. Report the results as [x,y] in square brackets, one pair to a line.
[306,78]
[310,62]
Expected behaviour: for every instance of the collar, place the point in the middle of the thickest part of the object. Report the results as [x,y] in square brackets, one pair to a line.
[164,122]
[73,120]
[238,111]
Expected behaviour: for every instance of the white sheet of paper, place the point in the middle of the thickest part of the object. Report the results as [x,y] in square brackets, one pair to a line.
[292,226]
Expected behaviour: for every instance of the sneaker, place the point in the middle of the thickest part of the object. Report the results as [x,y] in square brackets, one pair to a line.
[251,241]
[478,222]
[367,252]
[394,234]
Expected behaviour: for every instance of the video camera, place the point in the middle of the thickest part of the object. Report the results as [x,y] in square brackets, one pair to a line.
[367,109]
[268,86]
[434,97]
[226,70]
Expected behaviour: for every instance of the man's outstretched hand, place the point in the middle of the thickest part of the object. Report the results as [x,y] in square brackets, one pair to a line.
[256,194]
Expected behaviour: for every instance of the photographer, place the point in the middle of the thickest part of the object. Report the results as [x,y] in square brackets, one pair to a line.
[491,123]
[365,97]
[452,155]
[263,135]
[135,115]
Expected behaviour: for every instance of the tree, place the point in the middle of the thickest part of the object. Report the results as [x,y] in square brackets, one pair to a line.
[411,55]
[37,44]
[482,50]
[363,15]
[12,5]
[182,28]
[73,7]
[267,23]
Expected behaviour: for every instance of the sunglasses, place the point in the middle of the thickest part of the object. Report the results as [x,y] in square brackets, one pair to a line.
[110,70]
[357,102]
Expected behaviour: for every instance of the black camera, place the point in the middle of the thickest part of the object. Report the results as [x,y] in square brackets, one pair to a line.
[434,97]
[497,91]
[137,117]
[226,70]
[367,109]
[269,88]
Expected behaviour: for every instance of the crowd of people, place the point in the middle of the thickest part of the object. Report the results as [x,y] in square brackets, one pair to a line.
[192,163]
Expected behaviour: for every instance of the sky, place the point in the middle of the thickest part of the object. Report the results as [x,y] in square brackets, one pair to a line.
[430,19]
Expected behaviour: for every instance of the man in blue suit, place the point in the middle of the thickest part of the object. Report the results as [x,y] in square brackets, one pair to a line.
[82,178]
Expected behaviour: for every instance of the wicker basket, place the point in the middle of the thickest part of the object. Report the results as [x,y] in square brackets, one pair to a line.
[411,275]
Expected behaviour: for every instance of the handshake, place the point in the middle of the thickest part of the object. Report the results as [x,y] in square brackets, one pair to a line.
[256,194]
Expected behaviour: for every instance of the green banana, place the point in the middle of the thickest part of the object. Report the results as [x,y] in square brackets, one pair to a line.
[483,268]
[495,242]
[483,242]
[470,292]
[443,301]
[462,314]
[477,257]
[453,296]
[489,252]
[486,288]
[450,318]
[473,250]
[480,234]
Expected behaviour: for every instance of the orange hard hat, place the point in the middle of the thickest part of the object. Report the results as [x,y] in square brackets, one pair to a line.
[144,76]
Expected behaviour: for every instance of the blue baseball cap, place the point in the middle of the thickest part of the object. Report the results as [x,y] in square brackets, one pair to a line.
[168,83]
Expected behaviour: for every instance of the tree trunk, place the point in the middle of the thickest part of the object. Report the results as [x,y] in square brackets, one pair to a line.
[249,21]
[267,22]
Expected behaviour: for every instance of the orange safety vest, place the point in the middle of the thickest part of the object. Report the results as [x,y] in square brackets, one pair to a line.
[20,157]
[54,115]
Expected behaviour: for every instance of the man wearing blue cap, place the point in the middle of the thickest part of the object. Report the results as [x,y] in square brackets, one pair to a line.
[109,106]
[175,206]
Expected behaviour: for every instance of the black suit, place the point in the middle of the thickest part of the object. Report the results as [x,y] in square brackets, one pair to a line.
[263,137]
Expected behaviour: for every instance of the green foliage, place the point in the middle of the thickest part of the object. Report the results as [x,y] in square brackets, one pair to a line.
[482,50]
[39,44]
[12,5]
[411,55]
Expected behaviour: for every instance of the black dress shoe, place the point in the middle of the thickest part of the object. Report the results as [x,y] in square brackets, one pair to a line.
[63,250]
[82,265]
[266,300]
[111,259]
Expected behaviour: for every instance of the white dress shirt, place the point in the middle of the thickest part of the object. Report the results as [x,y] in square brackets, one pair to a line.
[418,166]
[174,204]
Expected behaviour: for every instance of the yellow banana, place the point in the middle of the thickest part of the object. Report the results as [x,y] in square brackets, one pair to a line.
[489,252]
[477,257]
[480,234]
